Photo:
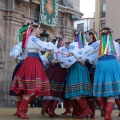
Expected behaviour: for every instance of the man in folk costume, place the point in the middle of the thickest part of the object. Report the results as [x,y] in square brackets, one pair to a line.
[31,71]
[107,74]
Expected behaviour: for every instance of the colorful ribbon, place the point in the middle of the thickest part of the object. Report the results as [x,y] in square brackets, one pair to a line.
[21,31]
[104,44]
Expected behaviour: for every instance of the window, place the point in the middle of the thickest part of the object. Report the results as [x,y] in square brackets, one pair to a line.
[80,27]
[61,2]
[102,24]
[104,7]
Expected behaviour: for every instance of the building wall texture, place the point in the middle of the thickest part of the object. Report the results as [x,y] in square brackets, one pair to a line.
[76,5]
[97,15]
[13,15]
[113,17]
[88,23]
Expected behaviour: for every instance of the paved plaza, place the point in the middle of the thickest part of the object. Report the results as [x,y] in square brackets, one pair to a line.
[34,114]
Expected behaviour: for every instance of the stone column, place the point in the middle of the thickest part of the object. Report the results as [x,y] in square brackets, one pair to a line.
[97,15]
[112,17]
[67,26]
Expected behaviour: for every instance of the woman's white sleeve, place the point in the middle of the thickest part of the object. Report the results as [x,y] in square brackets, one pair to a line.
[83,53]
[117,48]
[16,51]
[67,62]
[92,58]
[91,51]
[44,46]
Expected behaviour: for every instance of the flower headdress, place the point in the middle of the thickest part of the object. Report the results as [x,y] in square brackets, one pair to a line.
[26,31]
[106,39]
[94,33]
[80,38]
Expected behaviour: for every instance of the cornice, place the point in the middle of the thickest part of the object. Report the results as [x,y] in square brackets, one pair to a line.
[65,9]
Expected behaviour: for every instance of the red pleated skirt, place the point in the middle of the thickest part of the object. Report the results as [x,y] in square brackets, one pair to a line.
[31,79]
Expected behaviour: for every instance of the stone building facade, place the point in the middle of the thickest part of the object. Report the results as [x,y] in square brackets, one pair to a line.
[106,15]
[13,14]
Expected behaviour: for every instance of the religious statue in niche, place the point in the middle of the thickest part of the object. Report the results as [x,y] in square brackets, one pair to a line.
[49,7]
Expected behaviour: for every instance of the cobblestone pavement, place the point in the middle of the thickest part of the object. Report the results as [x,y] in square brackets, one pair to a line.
[34,114]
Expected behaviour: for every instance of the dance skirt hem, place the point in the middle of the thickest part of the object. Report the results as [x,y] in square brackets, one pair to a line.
[107,78]
[31,79]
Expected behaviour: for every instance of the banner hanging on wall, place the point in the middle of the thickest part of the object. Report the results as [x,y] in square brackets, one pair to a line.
[49,12]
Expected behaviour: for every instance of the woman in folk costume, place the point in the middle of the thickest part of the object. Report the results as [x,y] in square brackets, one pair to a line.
[56,75]
[18,55]
[66,63]
[31,78]
[117,101]
[78,84]
[107,74]
[91,38]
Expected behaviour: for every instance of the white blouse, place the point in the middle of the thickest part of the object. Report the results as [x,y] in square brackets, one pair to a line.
[35,45]
[65,61]
[91,52]
[17,52]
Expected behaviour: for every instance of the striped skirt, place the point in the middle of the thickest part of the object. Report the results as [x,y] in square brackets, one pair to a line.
[56,75]
[14,73]
[107,77]
[78,81]
[31,78]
